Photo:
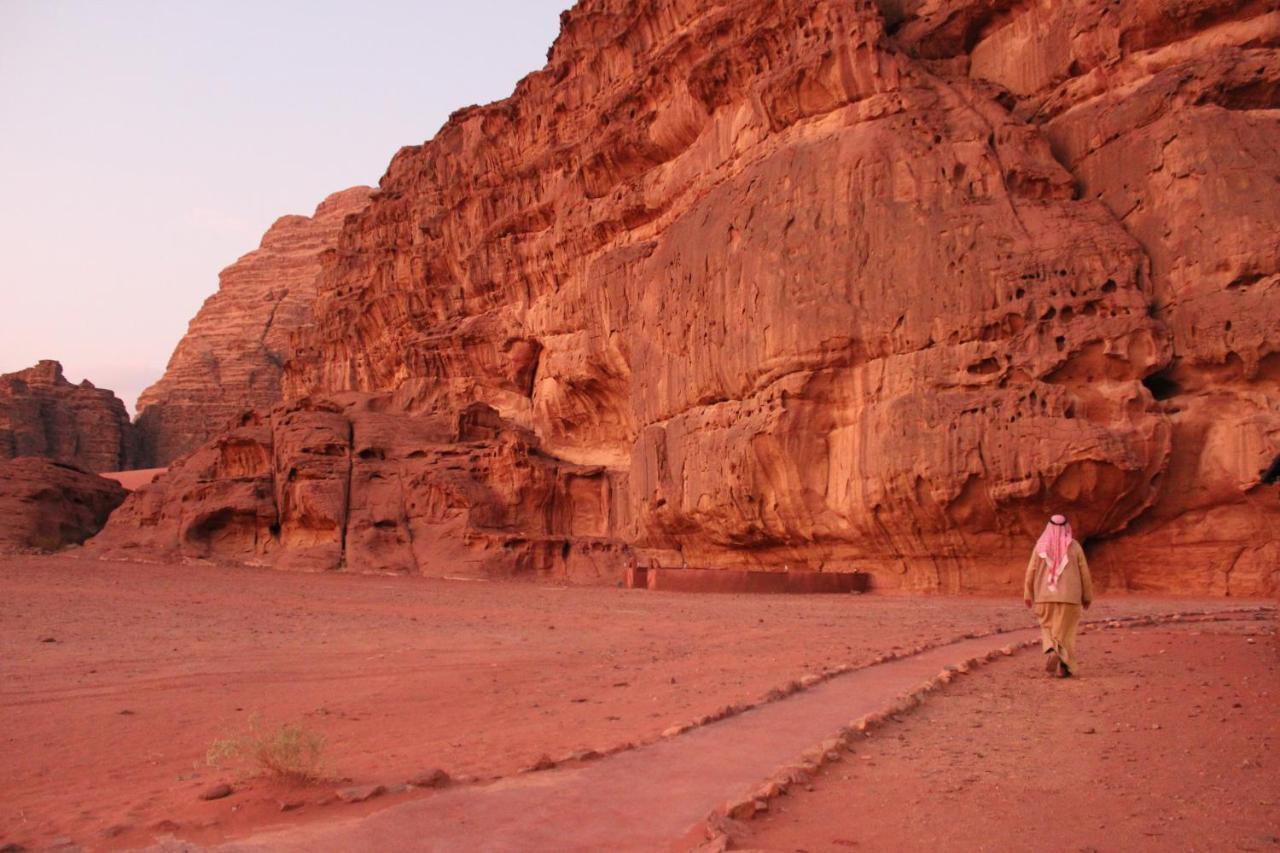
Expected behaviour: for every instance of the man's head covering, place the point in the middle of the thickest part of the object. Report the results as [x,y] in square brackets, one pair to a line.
[1053,546]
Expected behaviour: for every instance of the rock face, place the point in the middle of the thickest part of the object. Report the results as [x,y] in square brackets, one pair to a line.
[320,485]
[1169,115]
[42,414]
[46,505]
[229,361]
[836,286]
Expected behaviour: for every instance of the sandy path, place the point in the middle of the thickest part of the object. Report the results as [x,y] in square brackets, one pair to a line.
[1167,741]
[103,731]
[641,800]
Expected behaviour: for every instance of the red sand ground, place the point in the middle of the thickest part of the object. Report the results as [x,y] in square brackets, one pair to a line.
[106,728]
[1167,741]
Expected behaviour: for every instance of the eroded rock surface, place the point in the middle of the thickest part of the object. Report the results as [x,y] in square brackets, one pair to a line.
[1169,115]
[42,414]
[45,505]
[823,305]
[229,360]
[836,286]
[319,485]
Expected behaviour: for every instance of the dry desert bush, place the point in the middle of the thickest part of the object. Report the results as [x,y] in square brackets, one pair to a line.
[288,751]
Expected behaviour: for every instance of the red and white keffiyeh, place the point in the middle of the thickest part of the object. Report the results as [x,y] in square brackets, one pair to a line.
[1054,548]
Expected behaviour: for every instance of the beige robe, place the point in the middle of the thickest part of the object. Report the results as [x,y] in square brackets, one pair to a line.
[1059,610]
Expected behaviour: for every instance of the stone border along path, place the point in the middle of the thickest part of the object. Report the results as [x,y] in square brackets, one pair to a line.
[657,796]
[722,824]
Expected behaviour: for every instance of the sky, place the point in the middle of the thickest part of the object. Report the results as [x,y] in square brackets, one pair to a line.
[144,146]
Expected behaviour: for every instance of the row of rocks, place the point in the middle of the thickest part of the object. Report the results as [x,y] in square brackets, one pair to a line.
[432,778]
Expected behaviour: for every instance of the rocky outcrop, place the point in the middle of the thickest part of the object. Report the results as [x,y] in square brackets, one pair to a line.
[45,505]
[320,485]
[828,286]
[824,306]
[1169,115]
[42,414]
[229,360]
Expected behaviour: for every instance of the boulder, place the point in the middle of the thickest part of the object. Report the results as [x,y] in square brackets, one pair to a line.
[45,505]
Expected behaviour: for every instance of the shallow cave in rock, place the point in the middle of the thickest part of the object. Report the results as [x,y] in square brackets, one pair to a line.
[1161,386]
[1272,475]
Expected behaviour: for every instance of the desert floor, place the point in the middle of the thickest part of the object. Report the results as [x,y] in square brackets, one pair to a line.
[118,677]
[1166,741]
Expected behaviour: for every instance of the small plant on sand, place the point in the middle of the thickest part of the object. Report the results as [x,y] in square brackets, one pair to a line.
[288,751]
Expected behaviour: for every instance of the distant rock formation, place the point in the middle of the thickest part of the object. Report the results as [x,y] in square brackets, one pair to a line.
[322,485]
[229,361]
[821,285]
[45,505]
[42,414]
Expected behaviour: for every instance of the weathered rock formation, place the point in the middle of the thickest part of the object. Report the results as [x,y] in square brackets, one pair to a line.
[42,414]
[822,285]
[45,505]
[1169,115]
[320,484]
[229,360]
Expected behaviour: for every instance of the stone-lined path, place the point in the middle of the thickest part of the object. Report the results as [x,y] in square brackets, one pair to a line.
[644,799]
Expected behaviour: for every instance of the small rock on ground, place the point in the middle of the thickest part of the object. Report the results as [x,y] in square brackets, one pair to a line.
[433,778]
[360,793]
[543,763]
[217,792]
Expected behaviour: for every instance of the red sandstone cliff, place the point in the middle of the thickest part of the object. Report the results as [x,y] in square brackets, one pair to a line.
[821,284]
[42,414]
[1167,115]
[229,360]
[326,484]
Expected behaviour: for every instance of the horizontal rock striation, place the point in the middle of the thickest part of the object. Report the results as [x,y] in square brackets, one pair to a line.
[823,285]
[229,360]
[42,414]
[45,505]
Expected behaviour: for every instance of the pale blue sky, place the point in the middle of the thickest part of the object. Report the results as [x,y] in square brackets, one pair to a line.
[144,146]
